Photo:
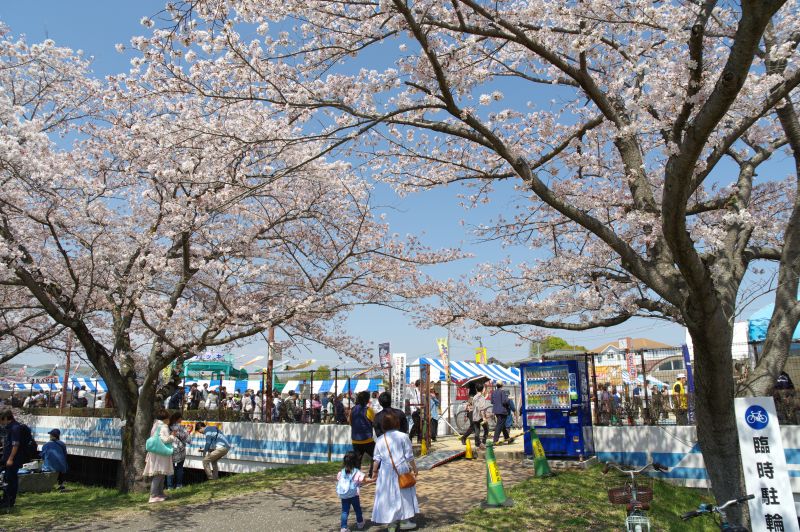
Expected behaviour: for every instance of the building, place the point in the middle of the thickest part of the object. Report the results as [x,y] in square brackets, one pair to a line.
[613,353]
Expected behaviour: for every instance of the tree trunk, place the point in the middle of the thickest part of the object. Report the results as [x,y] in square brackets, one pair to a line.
[138,424]
[714,413]
[126,478]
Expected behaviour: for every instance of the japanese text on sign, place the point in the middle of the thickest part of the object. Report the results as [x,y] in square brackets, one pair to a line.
[764,463]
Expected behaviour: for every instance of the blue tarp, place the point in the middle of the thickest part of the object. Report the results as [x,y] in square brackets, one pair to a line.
[759,322]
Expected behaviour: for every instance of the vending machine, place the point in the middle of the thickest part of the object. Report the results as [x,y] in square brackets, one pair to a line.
[556,402]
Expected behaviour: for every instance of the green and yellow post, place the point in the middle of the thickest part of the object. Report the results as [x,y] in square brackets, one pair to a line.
[495,494]
[540,465]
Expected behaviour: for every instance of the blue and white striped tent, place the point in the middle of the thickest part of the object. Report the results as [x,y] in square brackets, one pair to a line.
[92,385]
[320,386]
[340,386]
[462,370]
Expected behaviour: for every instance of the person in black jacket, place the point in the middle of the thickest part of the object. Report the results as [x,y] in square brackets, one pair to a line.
[385,400]
[500,409]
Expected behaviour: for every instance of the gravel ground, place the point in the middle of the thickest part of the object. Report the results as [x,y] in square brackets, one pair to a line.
[445,493]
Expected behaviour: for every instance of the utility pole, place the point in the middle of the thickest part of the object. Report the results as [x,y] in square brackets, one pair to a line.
[270,359]
[66,371]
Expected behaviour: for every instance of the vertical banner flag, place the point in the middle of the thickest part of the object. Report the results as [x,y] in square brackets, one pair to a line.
[385,360]
[480,355]
[398,380]
[445,354]
[687,362]
[764,465]
[631,366]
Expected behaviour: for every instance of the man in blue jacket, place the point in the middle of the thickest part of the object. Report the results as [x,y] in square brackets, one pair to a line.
[54,454]
[216,446]
[500,409]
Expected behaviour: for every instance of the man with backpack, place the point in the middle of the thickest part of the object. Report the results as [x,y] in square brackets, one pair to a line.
[19,448]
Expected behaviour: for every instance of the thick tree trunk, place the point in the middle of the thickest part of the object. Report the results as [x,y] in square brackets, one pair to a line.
[136,430]
[714,414]
[126,479]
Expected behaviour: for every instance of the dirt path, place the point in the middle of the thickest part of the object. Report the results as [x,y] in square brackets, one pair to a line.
[445,493]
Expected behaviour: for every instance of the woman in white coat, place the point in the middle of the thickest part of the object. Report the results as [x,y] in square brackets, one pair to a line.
[393,455]
[157,466]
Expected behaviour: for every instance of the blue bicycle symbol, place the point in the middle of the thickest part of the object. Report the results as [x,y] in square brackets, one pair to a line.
[756,417]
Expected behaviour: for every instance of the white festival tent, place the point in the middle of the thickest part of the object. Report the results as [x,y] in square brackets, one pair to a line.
[320,386]
[462,370]
[92,385]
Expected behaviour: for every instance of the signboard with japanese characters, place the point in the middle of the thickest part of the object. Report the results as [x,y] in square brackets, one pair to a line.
[398,380]
[50,379]
[764,463]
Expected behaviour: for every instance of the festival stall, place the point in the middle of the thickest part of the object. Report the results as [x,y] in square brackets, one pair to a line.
[321,386]
[92,385]
[462,370]
[452,396]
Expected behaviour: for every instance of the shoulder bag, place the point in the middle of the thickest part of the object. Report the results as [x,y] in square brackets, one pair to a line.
[406,480]
[156,446]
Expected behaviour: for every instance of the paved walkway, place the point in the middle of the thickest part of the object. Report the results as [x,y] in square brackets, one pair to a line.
[445,493]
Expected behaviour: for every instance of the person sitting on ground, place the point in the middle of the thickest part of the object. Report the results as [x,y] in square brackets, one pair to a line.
[385,400]
[54,454]
[216,447]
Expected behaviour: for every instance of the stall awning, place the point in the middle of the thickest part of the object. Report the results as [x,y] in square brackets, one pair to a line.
[322,386]
[461,370]
[340,386]
[92,385]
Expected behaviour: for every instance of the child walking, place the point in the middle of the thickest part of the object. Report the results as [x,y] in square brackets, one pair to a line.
[348,482]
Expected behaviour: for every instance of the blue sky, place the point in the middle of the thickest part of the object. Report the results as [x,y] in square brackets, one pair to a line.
[96,26]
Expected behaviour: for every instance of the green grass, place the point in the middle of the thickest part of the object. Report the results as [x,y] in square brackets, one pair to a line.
[41,510]
[577,500]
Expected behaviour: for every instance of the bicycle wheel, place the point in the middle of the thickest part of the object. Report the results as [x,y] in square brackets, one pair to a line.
[462,421]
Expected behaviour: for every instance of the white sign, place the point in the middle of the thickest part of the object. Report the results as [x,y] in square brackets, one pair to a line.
[50,379]
[398,380]
[765,473]
[208,357]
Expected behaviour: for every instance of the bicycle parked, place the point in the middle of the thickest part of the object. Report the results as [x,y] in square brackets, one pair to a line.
[710,509]
[636,495]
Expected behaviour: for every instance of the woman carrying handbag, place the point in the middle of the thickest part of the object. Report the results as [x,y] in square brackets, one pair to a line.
[158,462]
[395,492]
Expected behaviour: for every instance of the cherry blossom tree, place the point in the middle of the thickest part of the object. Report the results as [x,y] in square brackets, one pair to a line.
[156,226]
[639,139]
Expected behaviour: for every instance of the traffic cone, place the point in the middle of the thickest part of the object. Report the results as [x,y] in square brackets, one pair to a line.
[468,453]
[540,465]
[495,494]
[423,448]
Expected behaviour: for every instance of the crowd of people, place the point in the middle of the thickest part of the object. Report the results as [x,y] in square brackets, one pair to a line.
[77,397]
[621,405]
[254,405]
